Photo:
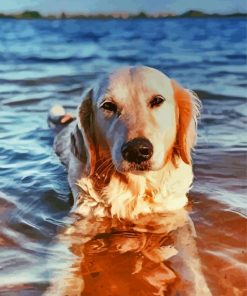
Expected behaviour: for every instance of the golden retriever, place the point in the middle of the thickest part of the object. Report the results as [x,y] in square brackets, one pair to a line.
[128,156]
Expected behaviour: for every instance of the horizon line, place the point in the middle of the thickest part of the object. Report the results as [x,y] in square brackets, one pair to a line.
[111,13]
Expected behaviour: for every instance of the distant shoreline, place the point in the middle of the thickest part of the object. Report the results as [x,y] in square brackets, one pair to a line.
[32,14]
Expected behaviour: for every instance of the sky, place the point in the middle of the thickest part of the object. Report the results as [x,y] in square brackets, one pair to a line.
[94,6]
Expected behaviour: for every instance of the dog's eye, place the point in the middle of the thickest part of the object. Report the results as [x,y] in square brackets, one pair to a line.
[156,101]
[109,106]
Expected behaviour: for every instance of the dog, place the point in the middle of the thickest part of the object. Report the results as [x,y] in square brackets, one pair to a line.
[128,157]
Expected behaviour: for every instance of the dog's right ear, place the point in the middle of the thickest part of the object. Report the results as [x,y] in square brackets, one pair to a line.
[86,126]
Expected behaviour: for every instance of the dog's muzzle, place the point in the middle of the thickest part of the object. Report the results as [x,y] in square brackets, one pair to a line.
[137,150]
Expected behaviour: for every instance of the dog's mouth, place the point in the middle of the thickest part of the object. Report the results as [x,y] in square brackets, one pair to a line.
[144,166]
[135,168]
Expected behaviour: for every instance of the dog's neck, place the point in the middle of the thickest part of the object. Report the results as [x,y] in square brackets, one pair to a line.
[129,196]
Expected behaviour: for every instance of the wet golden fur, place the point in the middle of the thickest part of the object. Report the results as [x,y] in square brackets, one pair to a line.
[105,186]
[172,131]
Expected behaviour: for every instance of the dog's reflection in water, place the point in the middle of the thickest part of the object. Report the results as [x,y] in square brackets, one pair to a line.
[156,255]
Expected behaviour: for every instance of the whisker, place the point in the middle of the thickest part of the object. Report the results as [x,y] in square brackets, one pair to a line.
[103,170]
[110,167]
[100,162]
[101,166]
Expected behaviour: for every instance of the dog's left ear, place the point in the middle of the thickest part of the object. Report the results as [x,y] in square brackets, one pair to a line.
[86,125]
[188,110]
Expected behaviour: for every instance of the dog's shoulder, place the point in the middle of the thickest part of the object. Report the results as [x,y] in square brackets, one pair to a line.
[69,144]
[62,143]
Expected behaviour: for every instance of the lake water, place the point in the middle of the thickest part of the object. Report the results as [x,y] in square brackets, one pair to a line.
[48,61]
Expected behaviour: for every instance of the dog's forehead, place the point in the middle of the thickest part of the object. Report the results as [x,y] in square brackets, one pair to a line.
[137,81]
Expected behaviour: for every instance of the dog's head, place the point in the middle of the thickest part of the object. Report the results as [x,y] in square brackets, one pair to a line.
[138,118]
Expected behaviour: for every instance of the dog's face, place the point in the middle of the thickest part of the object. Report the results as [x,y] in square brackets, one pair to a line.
[135,113]
[136,120]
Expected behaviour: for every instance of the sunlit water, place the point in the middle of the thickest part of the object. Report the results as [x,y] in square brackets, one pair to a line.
[42,62]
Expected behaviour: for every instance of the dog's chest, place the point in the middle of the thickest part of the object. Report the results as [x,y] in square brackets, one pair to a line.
[153,193]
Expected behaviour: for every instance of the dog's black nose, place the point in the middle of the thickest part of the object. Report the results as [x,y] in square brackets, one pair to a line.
[137,150]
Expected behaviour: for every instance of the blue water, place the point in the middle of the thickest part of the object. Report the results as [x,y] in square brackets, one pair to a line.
[48,61]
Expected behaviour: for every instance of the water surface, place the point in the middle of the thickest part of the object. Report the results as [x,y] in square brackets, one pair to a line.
[44,61]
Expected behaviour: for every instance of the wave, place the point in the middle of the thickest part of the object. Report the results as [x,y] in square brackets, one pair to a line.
[205,95]
[58,79]
[48,60]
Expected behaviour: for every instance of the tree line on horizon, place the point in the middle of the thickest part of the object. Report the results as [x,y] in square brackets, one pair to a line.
[32,14]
